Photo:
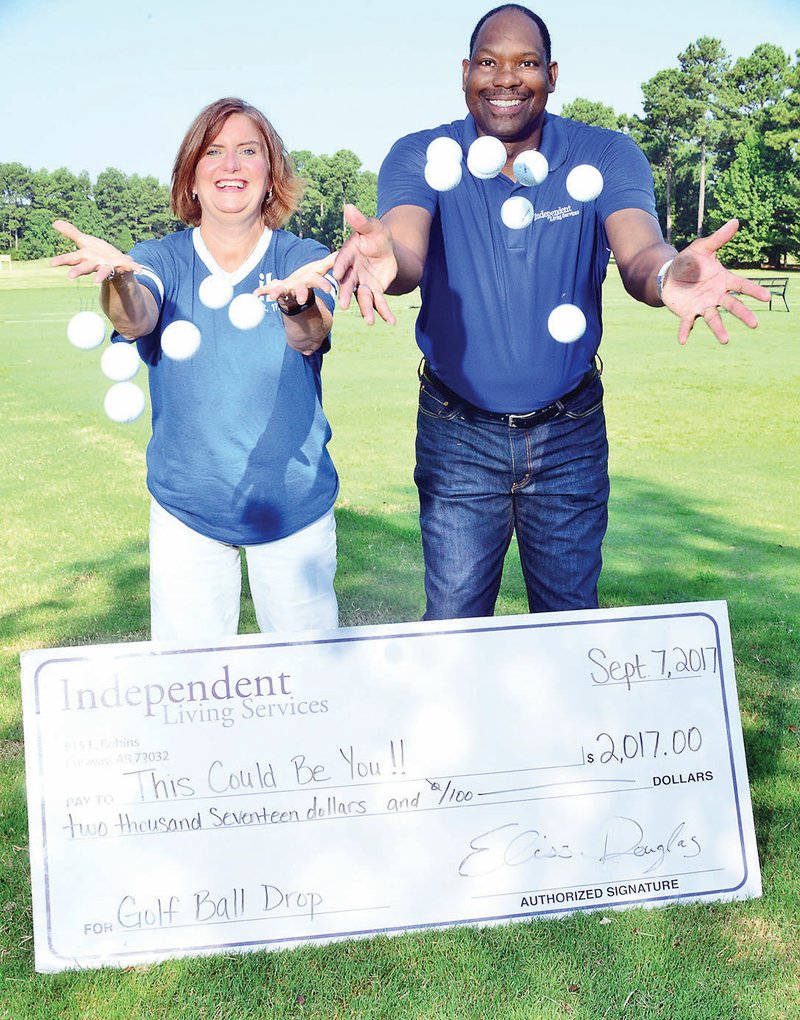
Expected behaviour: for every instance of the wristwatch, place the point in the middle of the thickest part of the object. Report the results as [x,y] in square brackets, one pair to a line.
[309,302]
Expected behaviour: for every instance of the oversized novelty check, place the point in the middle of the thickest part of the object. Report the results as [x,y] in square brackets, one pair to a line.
[270,792]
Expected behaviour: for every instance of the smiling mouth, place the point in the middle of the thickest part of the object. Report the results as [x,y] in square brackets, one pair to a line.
[505,104]
[222,185]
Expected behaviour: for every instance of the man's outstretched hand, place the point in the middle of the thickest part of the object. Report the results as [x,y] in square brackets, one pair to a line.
[697,284]
[365,266]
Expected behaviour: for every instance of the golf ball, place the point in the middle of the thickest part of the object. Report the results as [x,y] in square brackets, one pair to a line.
[215,292]
[566,323]
[531,168]
[442,175]
[86,330]
[180,340]
[516,212]
[120,362]
[584,183]
[486,157]
[444,149]
[246,311]
[124,402]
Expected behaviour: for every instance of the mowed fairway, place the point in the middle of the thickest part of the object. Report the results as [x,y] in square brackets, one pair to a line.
[705,505]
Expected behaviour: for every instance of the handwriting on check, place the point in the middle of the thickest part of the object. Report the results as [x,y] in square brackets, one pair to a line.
[511,846]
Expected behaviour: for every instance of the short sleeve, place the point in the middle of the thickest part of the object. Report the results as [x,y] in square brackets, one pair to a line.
[156,275]
[158,269]
[627,178]
[401,180]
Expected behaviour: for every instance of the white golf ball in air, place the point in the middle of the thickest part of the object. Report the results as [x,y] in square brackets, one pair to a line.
[180,340]
[445,149]
[215,292]
[566,323]
[584,183]
[246,311]
[86,330]
[120,362]
[442,175]
[516,212]
[124,402]
[486,157]
[531,168]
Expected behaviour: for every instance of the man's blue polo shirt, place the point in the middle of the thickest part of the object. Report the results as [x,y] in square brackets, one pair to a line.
[488,290]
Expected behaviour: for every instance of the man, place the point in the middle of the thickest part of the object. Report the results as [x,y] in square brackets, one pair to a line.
[510,433]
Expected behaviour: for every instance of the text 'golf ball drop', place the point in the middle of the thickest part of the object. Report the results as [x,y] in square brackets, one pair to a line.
[584,183]
[246,311]
[442,175]
[486,157]
[124,402]
[444,149]
[516,212]
[566,323]
[86,330]
[120,362]
[180,340]
[215,292]
[531,168]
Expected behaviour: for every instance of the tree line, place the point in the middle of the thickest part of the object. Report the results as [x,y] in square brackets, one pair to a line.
[723,139]
[722,136]
[125,209]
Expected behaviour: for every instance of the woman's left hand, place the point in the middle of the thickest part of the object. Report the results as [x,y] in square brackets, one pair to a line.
[298,286]
[306,328]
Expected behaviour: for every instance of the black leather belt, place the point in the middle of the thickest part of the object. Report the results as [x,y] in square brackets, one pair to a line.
[514,421]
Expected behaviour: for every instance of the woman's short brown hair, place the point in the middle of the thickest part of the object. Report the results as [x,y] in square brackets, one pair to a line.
[287,188]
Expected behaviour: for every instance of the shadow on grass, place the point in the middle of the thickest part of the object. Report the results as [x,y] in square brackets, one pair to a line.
[380,575]
[663,549]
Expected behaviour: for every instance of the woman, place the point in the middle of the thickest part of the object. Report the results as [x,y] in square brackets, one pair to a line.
[238,455]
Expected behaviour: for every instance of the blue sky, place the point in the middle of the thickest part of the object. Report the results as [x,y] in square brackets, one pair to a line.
[88,85]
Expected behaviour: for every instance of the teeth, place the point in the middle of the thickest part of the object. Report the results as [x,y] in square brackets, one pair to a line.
[230,184]
[506,102]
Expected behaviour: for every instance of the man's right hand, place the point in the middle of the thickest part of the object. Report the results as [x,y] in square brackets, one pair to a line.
[366,266]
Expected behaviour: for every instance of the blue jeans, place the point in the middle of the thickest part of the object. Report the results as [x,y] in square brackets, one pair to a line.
[480,481]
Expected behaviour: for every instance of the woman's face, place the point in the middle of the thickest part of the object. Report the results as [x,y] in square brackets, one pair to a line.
[233,175]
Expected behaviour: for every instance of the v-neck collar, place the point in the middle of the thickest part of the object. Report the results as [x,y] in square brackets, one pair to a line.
[235,275]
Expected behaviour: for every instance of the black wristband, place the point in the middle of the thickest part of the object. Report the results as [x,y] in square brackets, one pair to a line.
[309,302]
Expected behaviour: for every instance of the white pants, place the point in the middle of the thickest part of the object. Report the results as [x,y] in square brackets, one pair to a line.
[196,582]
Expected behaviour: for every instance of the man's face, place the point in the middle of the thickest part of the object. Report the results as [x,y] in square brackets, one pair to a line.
[507,80]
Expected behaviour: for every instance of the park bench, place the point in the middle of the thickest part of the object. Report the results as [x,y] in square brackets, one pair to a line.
[776,285]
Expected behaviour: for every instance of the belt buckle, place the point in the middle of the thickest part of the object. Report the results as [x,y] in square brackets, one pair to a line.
[521,421]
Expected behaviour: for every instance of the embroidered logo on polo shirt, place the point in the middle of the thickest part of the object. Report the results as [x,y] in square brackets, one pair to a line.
[563,212]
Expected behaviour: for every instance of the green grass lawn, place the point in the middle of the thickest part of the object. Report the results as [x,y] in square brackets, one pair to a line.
[704,443]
